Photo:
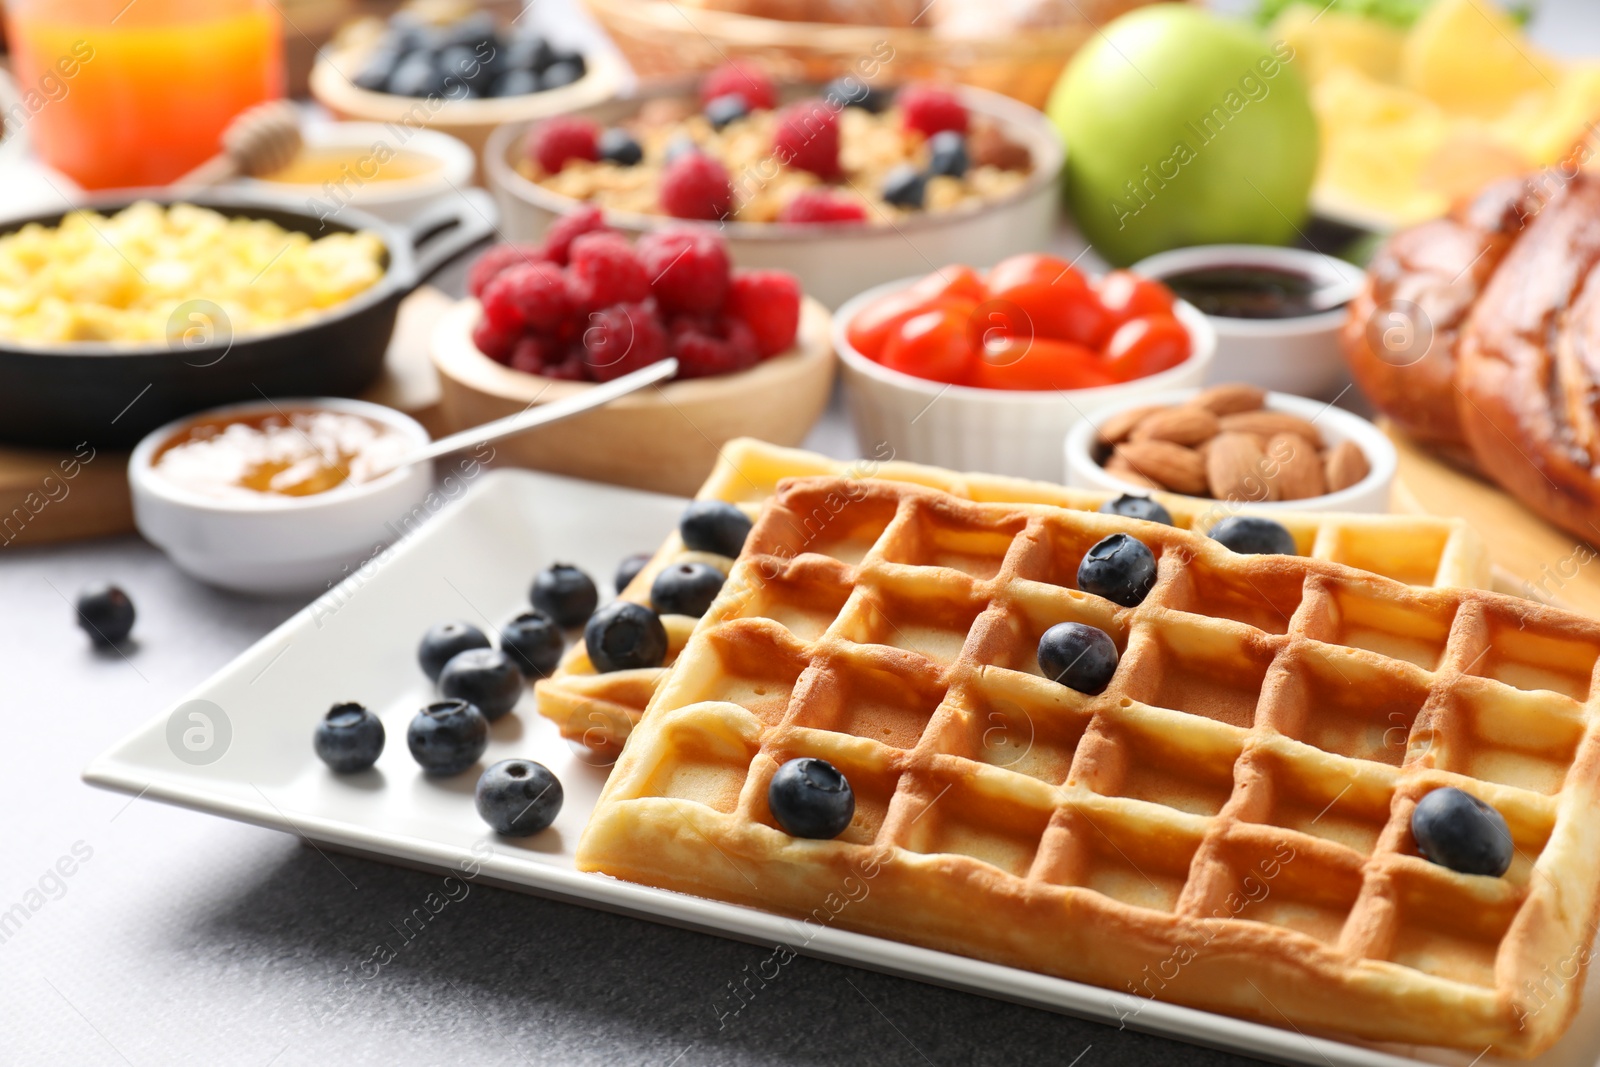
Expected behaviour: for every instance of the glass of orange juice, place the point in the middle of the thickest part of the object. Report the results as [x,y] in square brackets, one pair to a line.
[137,92]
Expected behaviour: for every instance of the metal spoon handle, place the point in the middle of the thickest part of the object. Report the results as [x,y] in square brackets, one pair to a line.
[545,414]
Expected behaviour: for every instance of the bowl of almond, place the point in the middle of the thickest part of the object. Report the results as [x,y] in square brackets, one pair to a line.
[1236,444]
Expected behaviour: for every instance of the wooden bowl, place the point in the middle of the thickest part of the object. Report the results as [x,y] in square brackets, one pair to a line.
[663,439]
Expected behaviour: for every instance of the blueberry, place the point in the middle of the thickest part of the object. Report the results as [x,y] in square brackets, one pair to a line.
[530,54]
[810,798]
[1137,507]
[1253,536]
[349,738]
[518,797]
[724,109]
[564,593]
[947,154]
[905,186]
[850,91]
[484,677]
[442,642]
[618,146]
[714,526]
[375,72]
[1078,656]
[534,643]
[105,613]
[624,636]
[470,31]
[680,144]
[686,589]
[447,737]
[629,569]
[514,83]
[1457,830]
[562,72]
[1119,568]
[462,63]
[417,75]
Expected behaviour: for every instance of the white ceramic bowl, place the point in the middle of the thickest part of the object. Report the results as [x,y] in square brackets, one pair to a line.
[834,263]
[1371,494]
[395,200]
[1297,355]
[279,546]
[998,431]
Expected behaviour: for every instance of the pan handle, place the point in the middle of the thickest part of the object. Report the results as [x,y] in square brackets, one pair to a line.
[450,229]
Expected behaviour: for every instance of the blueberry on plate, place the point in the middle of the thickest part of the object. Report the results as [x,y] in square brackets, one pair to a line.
[349,738]
[679,145]
[947,154]
[417,75]
[714,526]
[810,798]
[1130,506]
[686,589]
[1251,535]
[905,186]
[850,91]
[448,736]
[629,569]
[624,636]
[1119,568]
[534,643]
[515,82]
[487,678]
[564,593]
[374,73]
[561,72]
[531,54]
[1455,829]
[105,613]
[618,146]
[721,110]
[441,644]
[1079,657]
[518,797]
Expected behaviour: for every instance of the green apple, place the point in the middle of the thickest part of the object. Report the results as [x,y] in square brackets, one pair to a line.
[1182,128]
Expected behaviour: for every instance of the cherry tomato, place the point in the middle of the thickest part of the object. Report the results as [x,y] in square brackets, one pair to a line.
[871,327]
[1145,346]
[955,280]
[1039,364]
[1127,295]
[1030,268]
[934,343]
[1053,298]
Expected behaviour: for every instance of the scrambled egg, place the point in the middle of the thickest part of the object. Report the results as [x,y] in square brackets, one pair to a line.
[127,277]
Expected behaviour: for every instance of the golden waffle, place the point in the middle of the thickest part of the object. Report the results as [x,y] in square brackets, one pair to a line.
[1225,827]
[598,710]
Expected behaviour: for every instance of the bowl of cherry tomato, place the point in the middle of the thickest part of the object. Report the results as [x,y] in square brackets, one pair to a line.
[988,370]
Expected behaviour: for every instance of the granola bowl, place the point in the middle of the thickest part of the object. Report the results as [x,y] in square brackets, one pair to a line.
[833,261]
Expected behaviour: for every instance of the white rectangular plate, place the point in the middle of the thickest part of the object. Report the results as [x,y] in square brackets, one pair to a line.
[474,561]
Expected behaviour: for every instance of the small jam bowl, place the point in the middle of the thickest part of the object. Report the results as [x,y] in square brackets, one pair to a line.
[1297,355]
[278,545]
[1370,494]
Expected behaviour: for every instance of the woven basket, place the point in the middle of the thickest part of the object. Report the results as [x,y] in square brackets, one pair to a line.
[664,39]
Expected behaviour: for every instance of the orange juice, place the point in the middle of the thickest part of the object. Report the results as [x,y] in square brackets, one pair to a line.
[139,93]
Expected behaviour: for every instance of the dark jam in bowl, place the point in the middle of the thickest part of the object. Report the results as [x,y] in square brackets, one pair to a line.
[1250,292]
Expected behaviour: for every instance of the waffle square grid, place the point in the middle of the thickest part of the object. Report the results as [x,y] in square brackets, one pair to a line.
[1226,826]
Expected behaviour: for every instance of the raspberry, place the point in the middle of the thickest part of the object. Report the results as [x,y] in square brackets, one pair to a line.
[562,138]
[494,341]
[530,354]
[688,269]
[528,294]
[930,109]
[768,302]
[562,232]
[742,79]
[498,259]
[572,368]
[623,338]
[604,271]
[695,186]
[707,348]
[819,205]
[807,138]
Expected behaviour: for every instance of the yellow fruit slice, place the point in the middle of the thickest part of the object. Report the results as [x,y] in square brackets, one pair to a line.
[1468,57]
[1339,39]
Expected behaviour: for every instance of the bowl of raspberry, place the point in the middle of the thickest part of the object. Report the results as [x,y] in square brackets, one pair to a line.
[846,184]
[587,304]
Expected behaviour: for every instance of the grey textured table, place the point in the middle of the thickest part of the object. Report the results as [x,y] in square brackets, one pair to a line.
[180,938]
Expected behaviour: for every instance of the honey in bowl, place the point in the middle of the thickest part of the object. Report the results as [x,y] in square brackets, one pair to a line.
[295,453]
[338,164]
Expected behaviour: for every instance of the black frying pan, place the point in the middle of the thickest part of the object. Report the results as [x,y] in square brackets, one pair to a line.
[112,395]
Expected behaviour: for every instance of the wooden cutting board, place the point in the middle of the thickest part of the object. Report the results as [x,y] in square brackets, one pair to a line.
[49,495]
[1531,557]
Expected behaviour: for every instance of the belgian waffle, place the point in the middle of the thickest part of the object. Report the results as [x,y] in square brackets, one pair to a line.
[599,710]
[1226,826]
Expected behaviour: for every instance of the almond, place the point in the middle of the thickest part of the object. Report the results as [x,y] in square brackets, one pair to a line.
[1345,465]
[1119,425]
[1293,467]
[1270,424]
[1181,425]
[1234,469]
[1118,467]
[1230,399]
[1170,466]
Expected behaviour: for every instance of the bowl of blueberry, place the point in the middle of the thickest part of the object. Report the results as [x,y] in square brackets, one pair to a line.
[846,184]
[464,76]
